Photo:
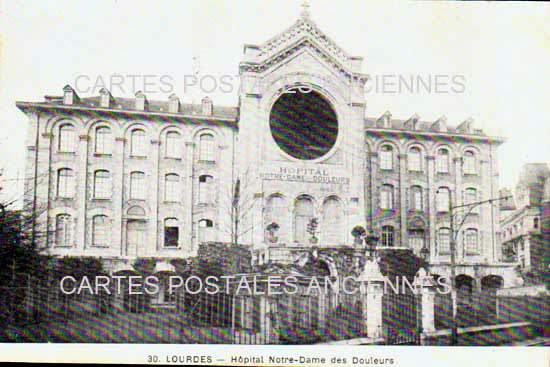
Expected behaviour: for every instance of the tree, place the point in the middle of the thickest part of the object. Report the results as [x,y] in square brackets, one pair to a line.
[20,256]
[240,211]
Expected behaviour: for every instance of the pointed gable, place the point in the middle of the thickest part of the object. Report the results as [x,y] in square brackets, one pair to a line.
[304,33]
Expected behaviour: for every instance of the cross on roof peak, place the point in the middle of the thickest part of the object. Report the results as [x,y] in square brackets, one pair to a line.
[305,9]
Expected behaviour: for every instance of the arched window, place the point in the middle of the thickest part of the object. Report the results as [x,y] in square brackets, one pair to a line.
[444,240]
[388,236]
[100,230]
[442,199]
[470,196]
[276,212]
[303,212]
[386,197]
[173,145]
[63,235]
[65,183]
[442,161]
[171,232]
[172,187]
[138,186]
[206,148]
[332,224]
[471,241]
[205,189]
[103,140]
[416,198]
[415,159]
[102,185]
[138,144]
[386,157]
[469,163]
[206,227]
[67,138]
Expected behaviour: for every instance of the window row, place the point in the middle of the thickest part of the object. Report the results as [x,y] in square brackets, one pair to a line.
[102,188]
[416,198]
[471,241]
[414,160]
[139,143]
[102,229]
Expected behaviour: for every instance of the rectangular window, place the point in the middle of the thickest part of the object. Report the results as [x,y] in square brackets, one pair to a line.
[172,145]
[66,139]
[103,144]
[442,199]
[171,233]
[444,241]
[386,161]
[206,152]
[65,183]
[205,189]
[100,231]
[471,241]
[102,185]
[171,188]
[139,143]
[138,187]
[386,197]
[416,198]
[63,230]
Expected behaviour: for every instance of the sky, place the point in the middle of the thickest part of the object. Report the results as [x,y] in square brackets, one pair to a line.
[490,60]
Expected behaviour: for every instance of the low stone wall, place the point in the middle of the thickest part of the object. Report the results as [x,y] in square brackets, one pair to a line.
[483,335]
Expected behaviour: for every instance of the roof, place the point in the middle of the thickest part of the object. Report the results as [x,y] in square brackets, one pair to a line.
[426,127]
[129,104]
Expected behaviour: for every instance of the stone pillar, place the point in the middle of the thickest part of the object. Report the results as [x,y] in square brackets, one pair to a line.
[118,196]
[44,190]
[374,293]
[456,196]
[428,309]
[152,246]
[404,241]
[372,191]
[189,197]
[80,193]
[430,202]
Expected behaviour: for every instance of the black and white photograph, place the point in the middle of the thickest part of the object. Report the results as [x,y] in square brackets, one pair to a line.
[251,182]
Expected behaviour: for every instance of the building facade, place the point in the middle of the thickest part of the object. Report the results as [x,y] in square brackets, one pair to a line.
[295,165]
[524,227]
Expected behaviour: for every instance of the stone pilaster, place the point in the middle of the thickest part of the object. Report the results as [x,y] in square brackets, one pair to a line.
[80,194]
[152,245]
[118,200]
[430,201]
[189,200]
[403,200]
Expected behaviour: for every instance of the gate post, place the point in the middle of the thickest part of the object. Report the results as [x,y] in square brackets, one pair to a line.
[427,302]
[375,291]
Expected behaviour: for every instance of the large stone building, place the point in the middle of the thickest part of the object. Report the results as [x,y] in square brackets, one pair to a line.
[524,227]
[125,178]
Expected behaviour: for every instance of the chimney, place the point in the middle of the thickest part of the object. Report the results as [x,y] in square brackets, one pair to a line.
[69,95]
[173,103]
[466,126]
[105,98]
[440,125]
[207,106]
[412,122]
[141,101]
[384,121]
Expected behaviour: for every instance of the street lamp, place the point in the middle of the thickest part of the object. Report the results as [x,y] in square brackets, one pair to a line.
[454,235]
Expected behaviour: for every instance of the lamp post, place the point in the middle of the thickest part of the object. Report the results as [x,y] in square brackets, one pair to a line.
[454,235]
